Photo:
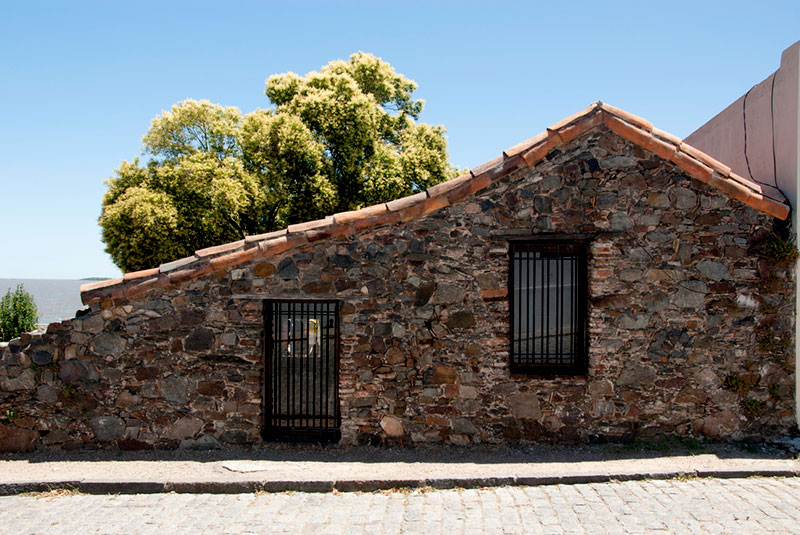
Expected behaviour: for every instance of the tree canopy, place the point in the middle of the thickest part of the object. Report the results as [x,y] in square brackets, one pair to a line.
[334,140]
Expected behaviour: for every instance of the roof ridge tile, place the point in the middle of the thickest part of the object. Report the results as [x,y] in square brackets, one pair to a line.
[265,236]
[175,264]
[627,116]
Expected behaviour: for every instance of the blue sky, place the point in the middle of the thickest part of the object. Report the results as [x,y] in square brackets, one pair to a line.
[81,82]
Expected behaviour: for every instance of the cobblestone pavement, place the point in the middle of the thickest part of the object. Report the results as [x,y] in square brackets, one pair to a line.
[736,506]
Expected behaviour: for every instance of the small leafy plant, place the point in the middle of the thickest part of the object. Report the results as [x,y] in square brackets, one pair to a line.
[736,384]
[783,252]
[752,406]
[18,314]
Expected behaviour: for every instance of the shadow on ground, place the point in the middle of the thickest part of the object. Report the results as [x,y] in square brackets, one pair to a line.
[484,454]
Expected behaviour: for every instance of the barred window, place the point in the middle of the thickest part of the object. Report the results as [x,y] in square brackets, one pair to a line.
[548,295]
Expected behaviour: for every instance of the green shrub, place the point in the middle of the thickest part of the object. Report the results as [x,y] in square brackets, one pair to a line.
[17,314]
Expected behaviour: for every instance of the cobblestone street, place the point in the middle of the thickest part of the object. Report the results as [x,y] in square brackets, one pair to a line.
[736,506]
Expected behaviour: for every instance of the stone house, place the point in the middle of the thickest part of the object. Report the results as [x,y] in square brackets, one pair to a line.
[601,281]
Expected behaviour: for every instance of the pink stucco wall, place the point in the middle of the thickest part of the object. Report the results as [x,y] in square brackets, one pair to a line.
[767,114]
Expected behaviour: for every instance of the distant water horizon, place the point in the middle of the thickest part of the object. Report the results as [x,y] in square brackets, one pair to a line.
[56,299]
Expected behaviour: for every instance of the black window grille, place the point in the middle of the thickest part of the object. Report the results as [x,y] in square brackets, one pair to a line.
[302,371]
[548,295]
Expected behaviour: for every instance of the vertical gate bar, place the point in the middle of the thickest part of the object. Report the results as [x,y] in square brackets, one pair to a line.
[308,365]
[323,355]
[323,386]
[275,348]
[308,384]
[584,266]
[320,365]
[269,377]
[337,421]
[285,362]
[300,364]
[521,296]
[559,357]
[530,306]
[547,314]
[276,357]
[317,373]
[328,389]
[293,361]
[561,301]
[540,265]
[513,291]
[525,301]
[289,362]
[575,294]
[303,362]
[267,363]
[312,391]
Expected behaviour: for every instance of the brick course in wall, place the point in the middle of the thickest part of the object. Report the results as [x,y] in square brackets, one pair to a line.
[690,322]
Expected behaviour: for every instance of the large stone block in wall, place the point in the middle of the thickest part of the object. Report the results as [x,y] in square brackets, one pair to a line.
[107,428]
[14,439]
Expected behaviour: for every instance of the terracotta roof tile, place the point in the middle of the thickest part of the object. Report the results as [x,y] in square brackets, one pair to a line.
[530,152]
[444,187]
[146,285]
[232,259]
[181,275]
[406,202]
[538,151]
[570,131]
[695,168]
[267,236]
[713,163]
[89,286]
[566,121]
[175,264]
[219,249]
[627,117]
[519,148]
[284,243]
[356,215]
[666,136]
[301,227]
[660,148]
[140,274]
[482,168]
[627,130]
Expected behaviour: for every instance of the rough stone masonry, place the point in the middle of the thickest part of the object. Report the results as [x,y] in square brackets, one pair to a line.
[690,326]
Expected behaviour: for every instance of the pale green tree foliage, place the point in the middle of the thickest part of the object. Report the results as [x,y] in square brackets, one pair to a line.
[362,113]
[193,193]
[338,139]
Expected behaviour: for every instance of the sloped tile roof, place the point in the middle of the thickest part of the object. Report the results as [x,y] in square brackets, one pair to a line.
[693,162]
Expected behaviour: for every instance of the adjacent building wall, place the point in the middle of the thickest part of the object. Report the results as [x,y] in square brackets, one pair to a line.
[758,136]
[688,326]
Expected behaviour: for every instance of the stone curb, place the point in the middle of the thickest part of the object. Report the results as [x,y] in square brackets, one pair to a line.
[250,486]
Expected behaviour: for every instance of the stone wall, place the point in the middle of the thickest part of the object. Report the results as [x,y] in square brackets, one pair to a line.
[690,326]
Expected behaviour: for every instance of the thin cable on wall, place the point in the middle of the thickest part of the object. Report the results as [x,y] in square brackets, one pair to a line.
[772,131]
[772,120]
[744,120]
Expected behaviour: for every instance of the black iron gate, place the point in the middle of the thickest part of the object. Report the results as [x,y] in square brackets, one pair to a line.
[302,371]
